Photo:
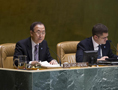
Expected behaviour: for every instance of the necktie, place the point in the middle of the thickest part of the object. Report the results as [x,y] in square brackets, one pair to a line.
[36,53]
[99,53]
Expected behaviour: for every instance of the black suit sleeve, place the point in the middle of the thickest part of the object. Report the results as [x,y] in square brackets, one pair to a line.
[44,54]
[84,45]
[18,50]
[79,53]
[110,54]
[48,55]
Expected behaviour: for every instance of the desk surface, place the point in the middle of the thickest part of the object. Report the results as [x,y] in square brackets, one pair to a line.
[56,69]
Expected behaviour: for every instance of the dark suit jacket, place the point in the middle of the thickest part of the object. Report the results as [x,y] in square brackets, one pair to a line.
[24,47]
[87,45]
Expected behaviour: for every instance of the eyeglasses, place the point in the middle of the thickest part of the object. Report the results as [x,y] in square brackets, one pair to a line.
[39,32]
[103,37]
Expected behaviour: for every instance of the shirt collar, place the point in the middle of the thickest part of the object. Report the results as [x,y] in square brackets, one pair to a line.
[94,43]
[33,43]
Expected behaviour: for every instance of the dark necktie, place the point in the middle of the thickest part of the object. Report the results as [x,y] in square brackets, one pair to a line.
[99,53]
[36,53]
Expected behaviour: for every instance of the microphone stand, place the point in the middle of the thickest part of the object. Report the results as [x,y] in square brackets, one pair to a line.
[113,45]
[56,55]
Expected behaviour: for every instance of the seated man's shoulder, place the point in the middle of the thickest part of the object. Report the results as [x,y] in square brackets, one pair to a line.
[107,44]
[24,41]
[44,42]
[86,41]
[84,44]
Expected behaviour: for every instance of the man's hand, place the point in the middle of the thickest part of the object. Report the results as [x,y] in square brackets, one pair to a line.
[34,62]
[102,58]
[53,62]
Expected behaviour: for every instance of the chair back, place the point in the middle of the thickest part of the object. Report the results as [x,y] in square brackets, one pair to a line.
[117,50]
[6,55]
[67,51]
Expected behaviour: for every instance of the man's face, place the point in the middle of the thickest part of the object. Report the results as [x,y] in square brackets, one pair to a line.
[101,39]
[38,34]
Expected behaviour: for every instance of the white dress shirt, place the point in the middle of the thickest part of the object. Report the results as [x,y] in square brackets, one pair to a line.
[95,45]
[33,48]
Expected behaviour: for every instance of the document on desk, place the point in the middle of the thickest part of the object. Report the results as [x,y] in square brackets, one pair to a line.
[46,64]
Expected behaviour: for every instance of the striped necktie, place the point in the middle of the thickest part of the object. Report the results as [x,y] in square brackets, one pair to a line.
[99,52]
[36,53]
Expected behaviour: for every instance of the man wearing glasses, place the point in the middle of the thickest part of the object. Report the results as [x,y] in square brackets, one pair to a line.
[98,41]
[35,47]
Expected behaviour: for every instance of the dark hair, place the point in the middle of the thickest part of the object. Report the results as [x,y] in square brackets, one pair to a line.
[34,24]
[99,29]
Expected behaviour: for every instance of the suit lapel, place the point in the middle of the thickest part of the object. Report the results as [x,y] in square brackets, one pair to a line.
[103,50]
[40,51]
[29,49]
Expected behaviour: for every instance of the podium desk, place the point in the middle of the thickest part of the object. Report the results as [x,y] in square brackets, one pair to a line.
[91,78]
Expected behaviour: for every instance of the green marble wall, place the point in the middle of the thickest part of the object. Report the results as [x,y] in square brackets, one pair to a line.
[102,78]
[65,20]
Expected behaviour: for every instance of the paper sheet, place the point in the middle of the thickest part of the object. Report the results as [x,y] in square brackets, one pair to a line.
[46,64]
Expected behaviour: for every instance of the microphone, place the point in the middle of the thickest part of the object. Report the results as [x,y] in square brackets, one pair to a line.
[56,55]
[113,45]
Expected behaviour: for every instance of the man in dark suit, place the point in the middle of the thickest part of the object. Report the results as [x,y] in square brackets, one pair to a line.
[35,47]
[99,38]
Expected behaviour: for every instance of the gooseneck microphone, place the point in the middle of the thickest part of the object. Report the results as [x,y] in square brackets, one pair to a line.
[56,55]
[113,45]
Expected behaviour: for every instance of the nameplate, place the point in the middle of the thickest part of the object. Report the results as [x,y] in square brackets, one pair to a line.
[82,64]
[66,65]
